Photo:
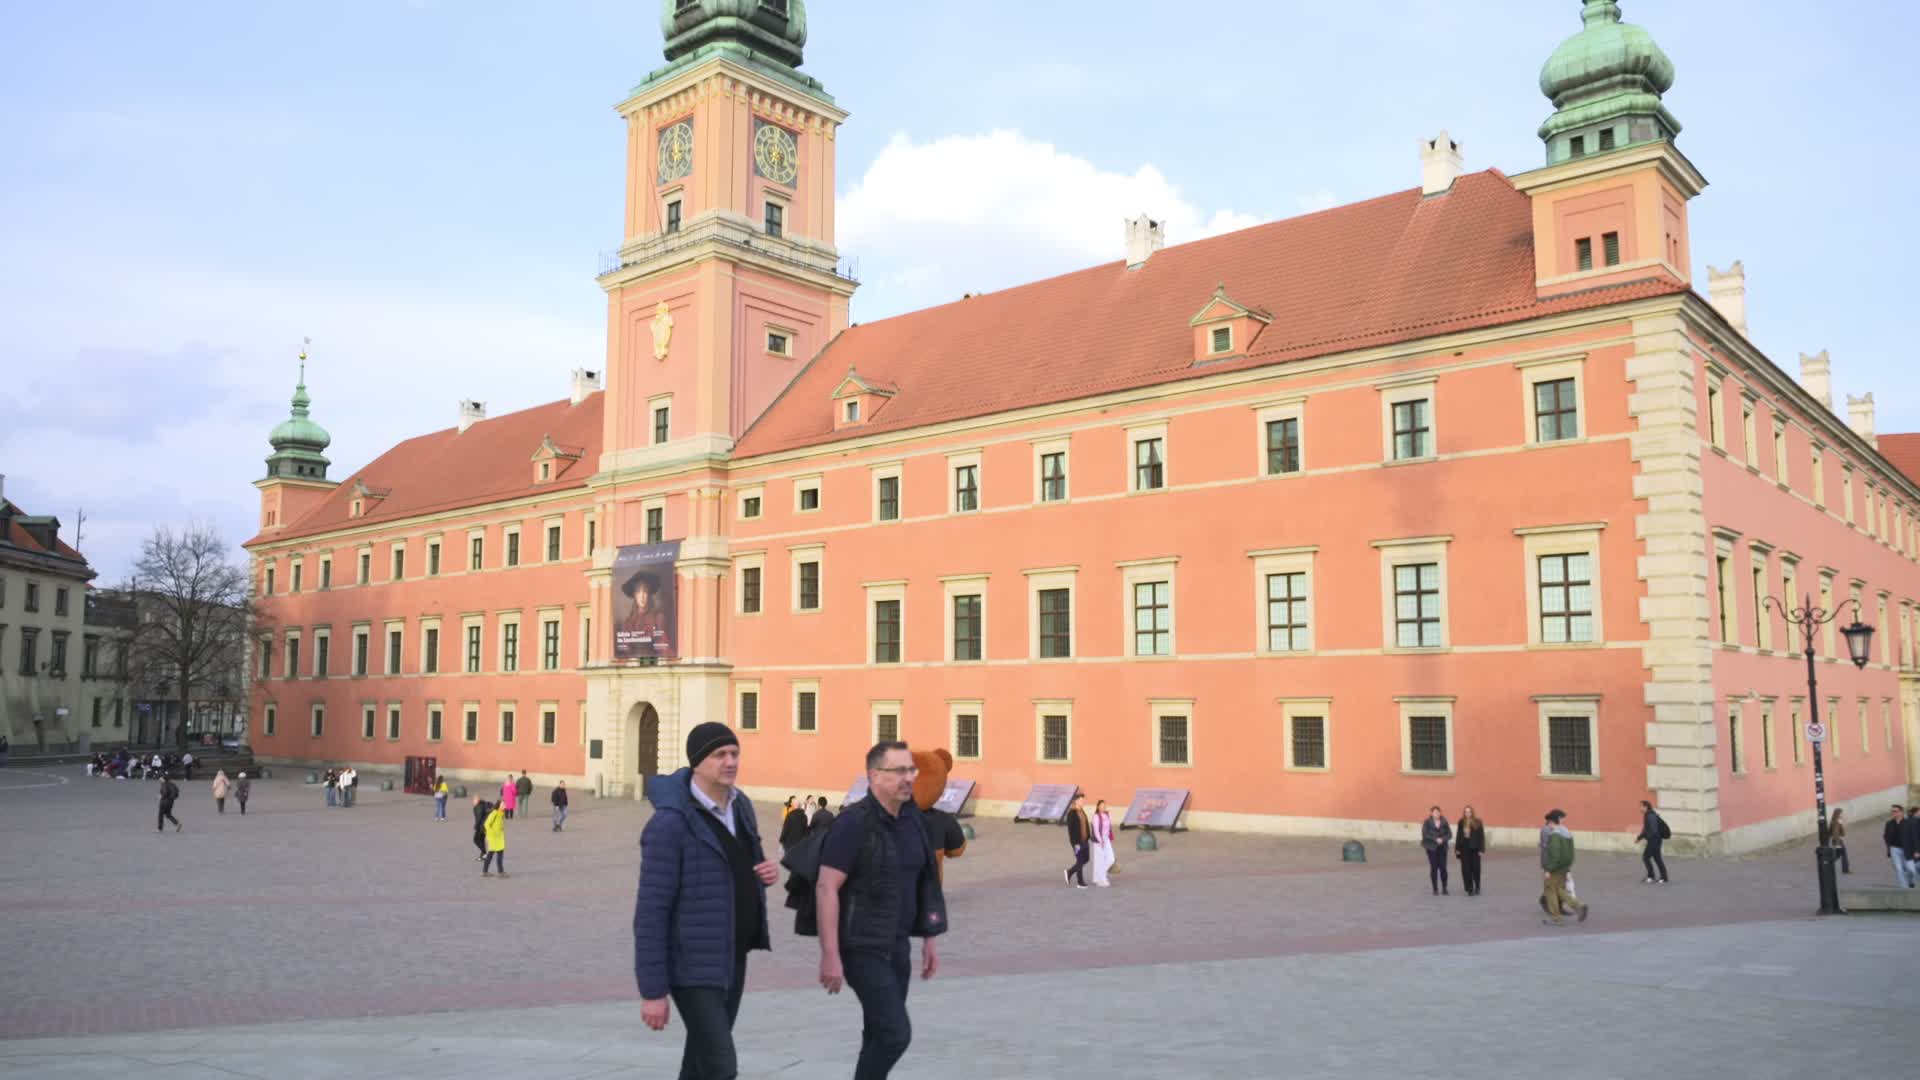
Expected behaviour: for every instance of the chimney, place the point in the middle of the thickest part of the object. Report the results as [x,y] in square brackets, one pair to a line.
[1727,291]
[584,382]
[1440,164]
[1144,237]
[1860,417]
[1816,378]
[471,412]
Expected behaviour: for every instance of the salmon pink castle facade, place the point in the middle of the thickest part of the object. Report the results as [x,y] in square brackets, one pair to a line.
[1462,494]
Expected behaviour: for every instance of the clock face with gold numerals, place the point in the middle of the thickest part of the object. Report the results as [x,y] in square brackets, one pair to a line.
[775,155]
[676,151]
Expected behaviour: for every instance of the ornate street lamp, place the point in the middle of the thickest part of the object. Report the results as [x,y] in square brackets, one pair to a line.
[1859,643]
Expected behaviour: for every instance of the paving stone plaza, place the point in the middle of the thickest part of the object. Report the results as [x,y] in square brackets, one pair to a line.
[306,941]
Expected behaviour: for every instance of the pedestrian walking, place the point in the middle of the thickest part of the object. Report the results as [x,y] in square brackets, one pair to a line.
[702,902]
[793,825]
[1892,835]
[1079,832]
[1469,843]
[509,796]
[221,785]
[878,889]
[1557,862]
[523,792]
[559,800]
[496,833]
[1837,838]
[481,808]
[1653,832]
[440,793]
[1102,840]
[168,793]
[186,762]
[1435,835]
[241,790]
[822,818]
[331,781]
[1910,840]
[353,786]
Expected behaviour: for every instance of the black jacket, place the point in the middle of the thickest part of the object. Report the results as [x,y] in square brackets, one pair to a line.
[169,791]
[793,829]
[1435,837]
[1891,837]
[870,900]
[1470,843]
[1649,828]
[1910,832]
[523,787]
[559,796]
[1076,826]
[822,821]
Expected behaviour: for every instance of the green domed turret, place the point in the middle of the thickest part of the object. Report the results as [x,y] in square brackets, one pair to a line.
[764,34]
[1605,83]
[297,441]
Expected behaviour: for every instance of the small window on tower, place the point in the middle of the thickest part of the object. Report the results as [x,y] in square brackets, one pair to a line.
[1610,248]
[1606,139]
[1577,146]
[673,216]
[1583,252]
[776,219]
[778,343]
[661,417]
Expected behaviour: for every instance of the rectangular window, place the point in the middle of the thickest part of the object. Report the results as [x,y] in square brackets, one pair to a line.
[810,498]
[550,645]
[966,735]
[1723,590]
[1427,744]
[656,524]
[433,650]
[1794,733]
[1174,748]
[510,647]
[593,529]
[1222,338]
[886,727]
[1410,430]
[809,586]
[1716,420]
[660,418]
[1780,453]
[1566,598]
[889,498]
[470,730]
[319,721]
[29,650]
[365,567]
[1760,635]
[1790,596]
[1606,139]
[966,627]
[1283,446]
[853,409]
[805,714]
[1583,252]
[399,563]
[360,652]
[322,646]
[1569,746]
[1053,476]
[473,649]
[1819,478]
[513,548]
[1287,612]
[1309,742]
[750,506]
[475,548]
[750,590]
[293,658]
[1416,606]
[326,573]
[1749,440]
[1734,758]
[549,726]
[506,725]
[1152,618]
[433,559]
[58,664]
[366,721]
[1577,146]
[778,344]
[1556,411]
[750,710]
[1056,623]
[966,488]
[1766,736]
[886,631]
[1053,738]
[1610,248]
[393,721]
[673,216]
[33,591]
[393,652]
[1149,467]
[60,597]
[776,219]
[269,720]
[553,543]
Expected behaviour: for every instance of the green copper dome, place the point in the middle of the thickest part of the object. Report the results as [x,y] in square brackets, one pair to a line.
[1605,83]
[297,441]
[765,34]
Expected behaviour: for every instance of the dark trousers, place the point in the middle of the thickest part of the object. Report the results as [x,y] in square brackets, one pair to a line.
[166,815]
[243,806]
[508,811]
[1081,853]
[493,859]
[709,1013]
[1470,872]
[880,978]
[480,842]
[220,805]
[1651,859]
[1437,866]
[1840,853]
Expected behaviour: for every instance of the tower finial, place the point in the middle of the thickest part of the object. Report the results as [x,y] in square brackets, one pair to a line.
[305,343]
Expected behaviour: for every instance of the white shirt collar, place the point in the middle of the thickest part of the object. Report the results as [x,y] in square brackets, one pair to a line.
[724,813]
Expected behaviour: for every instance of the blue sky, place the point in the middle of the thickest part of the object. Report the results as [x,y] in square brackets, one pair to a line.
[187,190]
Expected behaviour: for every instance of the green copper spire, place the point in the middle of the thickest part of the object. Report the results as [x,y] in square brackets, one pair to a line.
[298,441]
[1605,83]
[767,35]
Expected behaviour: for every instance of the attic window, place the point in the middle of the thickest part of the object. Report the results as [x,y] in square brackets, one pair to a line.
[1222,338]
[1606,139]
[358,507]
[1583,252]
[1610,248]
[853,411]
[1577,146]
[546,471]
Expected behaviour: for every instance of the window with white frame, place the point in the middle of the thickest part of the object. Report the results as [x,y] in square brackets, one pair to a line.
[746,705]
[1736,755]
[1846,491]
[1306,734]
[1050,613]
[269,719]
[886,721]
[549,723]
[1413,574]
[886,621]
[806,494]
[1716,414]
[808,562]
[1280,427]
[1552,401]
[1050,471]
[749,582]
[965,598]
[429,646]
[509,640]
[886,491]
[963,724]
[472,627]
[369,717]
[470,722]
[1766,733]
[1834,741]
[1172,732]
[1749,432]
[1790,596]
[1723,591]
[1408,420]
[963,493]
[1780,452]
[317,721]
[1563,583]
[1794,732]
[508,716]
[1283,598]
[1426,734]
[660,410]
[1053,731]
[1147,450]
[393,722]
[653,516]
[1819,467]
[293,654]
[323,649]
[1569,735]
[511,535]
[806,706]
[1149,606]
[1860,715]
[1885,636]
[436,716]
[750,502]
[1757,571]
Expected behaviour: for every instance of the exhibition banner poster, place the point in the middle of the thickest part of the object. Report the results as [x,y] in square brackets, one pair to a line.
[645,592]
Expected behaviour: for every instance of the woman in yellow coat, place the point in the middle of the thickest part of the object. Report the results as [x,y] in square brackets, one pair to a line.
[495,828]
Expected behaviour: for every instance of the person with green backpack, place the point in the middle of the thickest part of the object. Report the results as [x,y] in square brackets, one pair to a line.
[1653,832]
[1556,858]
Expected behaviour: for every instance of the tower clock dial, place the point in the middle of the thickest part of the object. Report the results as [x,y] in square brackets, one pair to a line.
[776,156]
[676,151]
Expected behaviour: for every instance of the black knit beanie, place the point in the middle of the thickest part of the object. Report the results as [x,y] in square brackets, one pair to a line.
[705,738]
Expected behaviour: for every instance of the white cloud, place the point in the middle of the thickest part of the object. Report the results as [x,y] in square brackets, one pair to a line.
[931,220]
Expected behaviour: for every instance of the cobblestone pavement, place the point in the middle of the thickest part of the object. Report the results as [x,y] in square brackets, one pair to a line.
[264,945]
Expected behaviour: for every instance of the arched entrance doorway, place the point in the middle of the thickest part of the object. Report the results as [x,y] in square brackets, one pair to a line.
[644,724]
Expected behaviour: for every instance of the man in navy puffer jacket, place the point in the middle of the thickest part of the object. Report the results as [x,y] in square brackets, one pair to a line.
[702,903]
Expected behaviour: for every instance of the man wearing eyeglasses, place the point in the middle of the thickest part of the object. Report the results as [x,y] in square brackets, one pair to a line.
[878,888]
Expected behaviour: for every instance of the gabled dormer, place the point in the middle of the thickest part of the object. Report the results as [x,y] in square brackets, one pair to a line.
[551,461]
[364,497]
[855,400]
[1225,327]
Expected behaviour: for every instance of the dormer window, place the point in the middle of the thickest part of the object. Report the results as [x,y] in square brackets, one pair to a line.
[853,411]
[359,508]
[1222,339]
[546,471]
[1225,325]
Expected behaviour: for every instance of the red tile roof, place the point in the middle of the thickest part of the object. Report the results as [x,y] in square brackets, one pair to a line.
[17,541]
[450,468]
[1390,269]
[1904,452]
[16,535]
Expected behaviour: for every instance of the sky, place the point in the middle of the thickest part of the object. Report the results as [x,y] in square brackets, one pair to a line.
[189,190]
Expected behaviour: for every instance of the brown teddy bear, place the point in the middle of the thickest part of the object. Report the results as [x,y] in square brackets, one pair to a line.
[949,842]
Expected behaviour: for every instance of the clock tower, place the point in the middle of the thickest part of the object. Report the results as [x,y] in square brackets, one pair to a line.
[726,282]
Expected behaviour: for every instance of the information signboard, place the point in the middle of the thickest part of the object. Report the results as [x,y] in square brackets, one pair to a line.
[1155,808]
[1047,802]
[956,796]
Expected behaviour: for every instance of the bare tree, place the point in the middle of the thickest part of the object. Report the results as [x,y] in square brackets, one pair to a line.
[194,613]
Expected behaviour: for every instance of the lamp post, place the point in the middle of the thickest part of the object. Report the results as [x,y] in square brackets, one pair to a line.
[1859,640]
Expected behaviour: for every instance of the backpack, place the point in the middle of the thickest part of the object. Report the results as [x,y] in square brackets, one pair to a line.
[1665,833]
[1560,852]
